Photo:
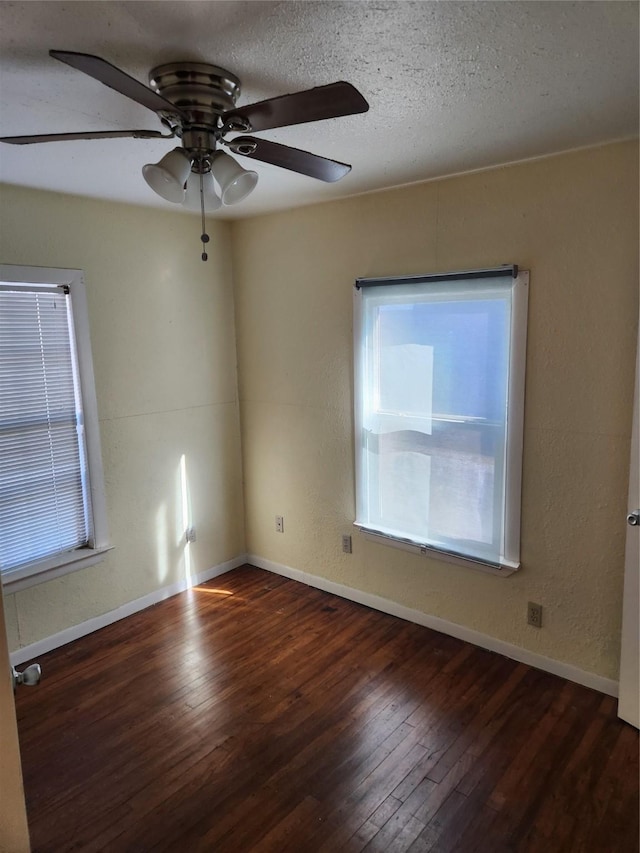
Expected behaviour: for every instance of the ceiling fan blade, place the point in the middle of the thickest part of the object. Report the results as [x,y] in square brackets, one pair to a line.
[290,158]
[331,101]
[116,79]
[89,134]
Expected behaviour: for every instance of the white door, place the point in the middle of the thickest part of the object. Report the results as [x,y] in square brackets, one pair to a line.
[14,836]
[629,699]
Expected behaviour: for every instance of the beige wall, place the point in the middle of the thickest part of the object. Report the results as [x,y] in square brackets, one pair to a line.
[162,329]
[572,220]
[162,334]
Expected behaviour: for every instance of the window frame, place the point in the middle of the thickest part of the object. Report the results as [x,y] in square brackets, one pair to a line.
[515,421]
[63,563]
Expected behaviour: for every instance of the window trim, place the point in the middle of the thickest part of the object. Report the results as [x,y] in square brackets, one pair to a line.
[69,561]
[515,424]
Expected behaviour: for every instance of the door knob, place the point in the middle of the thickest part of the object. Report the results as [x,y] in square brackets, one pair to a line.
[29,676]
[634,518]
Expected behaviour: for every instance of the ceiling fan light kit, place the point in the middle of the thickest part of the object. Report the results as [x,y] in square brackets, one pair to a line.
[196,102]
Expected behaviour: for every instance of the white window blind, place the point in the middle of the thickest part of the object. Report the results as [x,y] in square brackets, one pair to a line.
[44,490]
[439,399]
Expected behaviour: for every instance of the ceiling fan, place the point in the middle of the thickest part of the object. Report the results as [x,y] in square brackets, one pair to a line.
[196,102]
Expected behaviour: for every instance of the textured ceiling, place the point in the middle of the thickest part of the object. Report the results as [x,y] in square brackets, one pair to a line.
[452,86]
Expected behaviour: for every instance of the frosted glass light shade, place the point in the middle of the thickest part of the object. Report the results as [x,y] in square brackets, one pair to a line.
[235,182]
[212,200]
[167,178]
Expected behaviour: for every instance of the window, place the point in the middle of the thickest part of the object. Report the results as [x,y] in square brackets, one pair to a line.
[439,410]
[52,508]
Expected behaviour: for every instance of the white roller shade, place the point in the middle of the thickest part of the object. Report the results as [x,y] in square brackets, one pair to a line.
[438,411]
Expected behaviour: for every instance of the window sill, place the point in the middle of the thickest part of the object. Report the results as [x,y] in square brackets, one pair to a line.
[53,567]
[502,570]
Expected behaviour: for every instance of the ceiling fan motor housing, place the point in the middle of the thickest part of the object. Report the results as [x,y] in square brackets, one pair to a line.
[201,91]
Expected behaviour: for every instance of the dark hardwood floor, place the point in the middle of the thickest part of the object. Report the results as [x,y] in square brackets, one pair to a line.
[257,714]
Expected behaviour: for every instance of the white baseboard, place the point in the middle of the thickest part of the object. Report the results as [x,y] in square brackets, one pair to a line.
[484,641]
[564,670]
[41,647]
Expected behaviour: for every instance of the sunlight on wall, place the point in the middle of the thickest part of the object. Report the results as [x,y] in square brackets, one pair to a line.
[162,542]
[173,554]
[183,520]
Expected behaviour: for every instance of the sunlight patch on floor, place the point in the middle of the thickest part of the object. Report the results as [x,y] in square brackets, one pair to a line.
[214,591]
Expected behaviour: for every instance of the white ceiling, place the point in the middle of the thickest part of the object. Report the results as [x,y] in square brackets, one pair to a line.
[452,86]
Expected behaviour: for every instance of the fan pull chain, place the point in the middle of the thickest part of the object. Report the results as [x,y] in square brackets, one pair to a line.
[204,237]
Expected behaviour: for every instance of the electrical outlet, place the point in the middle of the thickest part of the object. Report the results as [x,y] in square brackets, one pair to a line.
[346,544]
[534,614]
[279,524]
[190,534]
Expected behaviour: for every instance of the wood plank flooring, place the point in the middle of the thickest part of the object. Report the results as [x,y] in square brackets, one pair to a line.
[254,713]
